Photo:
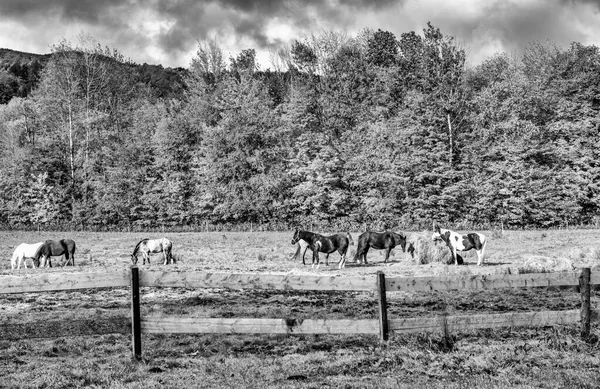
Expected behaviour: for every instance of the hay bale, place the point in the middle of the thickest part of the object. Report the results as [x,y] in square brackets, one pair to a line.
[542,264]
[426,250]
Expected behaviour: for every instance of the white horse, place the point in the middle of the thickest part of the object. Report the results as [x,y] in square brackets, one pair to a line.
[22,252]
[457,242]
[147,246]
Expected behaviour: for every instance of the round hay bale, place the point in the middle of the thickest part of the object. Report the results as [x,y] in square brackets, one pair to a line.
[426,250]
[542,264]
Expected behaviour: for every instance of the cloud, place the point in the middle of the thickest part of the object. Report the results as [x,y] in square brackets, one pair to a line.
[167,31]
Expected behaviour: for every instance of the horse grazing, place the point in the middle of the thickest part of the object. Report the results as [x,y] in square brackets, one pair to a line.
[325,244]
[147,246]
[457,242]
[23,251]
[55,248]
[379,240]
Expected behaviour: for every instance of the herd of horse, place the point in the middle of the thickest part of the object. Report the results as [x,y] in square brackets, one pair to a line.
[42,252]
[386,240]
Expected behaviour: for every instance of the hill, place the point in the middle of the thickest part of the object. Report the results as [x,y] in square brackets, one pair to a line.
[20,73]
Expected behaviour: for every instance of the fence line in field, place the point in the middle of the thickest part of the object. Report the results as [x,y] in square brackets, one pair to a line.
[381,285]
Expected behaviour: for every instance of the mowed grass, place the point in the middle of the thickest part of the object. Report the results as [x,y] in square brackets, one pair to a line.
[551,357]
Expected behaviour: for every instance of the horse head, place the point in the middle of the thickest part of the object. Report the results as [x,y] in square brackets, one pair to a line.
[402,242]
[441,234]
[437,233]
[296,236]
[399,239]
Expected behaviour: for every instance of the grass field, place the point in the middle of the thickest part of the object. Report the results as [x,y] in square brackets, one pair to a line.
[550,357]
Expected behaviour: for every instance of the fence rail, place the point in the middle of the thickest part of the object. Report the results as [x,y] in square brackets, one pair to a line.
[255,281]
[381,285]
[49,282]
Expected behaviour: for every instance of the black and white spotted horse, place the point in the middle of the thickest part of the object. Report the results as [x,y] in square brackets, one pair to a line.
[457,242]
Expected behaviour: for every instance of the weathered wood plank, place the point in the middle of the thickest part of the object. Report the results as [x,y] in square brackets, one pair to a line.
[136,331]
[481,281]
[255,281]
[383,317]
[585,312]
[46,282]
[161,325]
[469,322]
[69,328]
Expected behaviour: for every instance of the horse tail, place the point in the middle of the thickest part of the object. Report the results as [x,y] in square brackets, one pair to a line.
[350,238]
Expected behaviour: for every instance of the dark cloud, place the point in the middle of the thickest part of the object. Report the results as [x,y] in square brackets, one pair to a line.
[82,10]
[128,24]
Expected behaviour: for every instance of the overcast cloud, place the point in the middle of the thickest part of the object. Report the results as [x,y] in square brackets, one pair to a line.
[167,31]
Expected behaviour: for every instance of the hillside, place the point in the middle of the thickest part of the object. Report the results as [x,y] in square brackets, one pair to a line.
[20,73]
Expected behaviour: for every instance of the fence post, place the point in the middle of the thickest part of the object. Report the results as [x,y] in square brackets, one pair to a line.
[383,319]
[136,330]
[585,290]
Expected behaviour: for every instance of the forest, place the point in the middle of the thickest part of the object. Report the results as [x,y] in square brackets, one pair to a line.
[340,131]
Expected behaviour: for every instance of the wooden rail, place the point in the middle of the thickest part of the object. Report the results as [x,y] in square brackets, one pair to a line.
[481,282]
[255,281]
[161,325]
[379,284]
[48,282]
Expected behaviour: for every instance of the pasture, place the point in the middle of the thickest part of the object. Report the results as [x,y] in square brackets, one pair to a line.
[530,357]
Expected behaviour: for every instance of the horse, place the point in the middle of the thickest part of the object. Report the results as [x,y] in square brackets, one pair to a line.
[23,251]
[302,247]
[325,244]
[147,246]
[379,240]
[55,248]
[457,242]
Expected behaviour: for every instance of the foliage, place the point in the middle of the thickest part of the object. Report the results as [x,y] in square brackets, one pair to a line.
[373,129]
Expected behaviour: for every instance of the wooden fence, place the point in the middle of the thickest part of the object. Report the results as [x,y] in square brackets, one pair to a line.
[379,284]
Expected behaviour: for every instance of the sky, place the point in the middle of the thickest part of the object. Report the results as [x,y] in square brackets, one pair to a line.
[167,32]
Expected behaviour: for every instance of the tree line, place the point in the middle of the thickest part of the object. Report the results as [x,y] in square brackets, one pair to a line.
[371,129]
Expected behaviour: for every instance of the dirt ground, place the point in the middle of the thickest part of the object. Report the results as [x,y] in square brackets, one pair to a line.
[271,252]
[266,252]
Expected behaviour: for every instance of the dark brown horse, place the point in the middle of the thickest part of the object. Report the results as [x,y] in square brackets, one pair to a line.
[378,240]
[55,248]
[325,244]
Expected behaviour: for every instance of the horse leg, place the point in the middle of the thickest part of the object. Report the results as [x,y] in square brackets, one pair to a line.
[358,254]
[304,255]
[327,260]
[387,253]
[70,259]
[480,254]
[342,261]
[316,255]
